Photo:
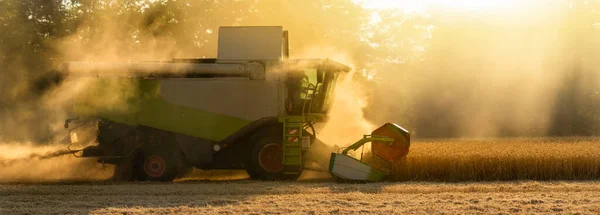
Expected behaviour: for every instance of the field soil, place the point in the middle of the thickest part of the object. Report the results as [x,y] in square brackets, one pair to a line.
[302,197]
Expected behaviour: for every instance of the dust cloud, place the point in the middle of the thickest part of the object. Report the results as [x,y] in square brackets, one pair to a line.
[31,133]
[32,163]
[477,75]
[495,74]
[346,123]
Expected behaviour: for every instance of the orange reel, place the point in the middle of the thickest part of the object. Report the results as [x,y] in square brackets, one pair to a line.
[395,151]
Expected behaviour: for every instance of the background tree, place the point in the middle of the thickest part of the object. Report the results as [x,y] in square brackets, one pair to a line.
[529,71]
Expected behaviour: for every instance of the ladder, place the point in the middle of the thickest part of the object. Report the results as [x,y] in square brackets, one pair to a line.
[292,144]
[293,127]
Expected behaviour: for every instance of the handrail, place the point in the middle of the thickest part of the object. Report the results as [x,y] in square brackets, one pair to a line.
[306,97]
[367,139]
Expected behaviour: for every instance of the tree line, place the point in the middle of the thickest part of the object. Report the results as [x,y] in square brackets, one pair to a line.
[440,74]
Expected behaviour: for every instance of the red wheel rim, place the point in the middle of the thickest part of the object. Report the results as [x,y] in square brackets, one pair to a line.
[155,166]
[270,157]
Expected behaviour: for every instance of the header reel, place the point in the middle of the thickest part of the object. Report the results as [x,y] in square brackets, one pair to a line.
[389,142]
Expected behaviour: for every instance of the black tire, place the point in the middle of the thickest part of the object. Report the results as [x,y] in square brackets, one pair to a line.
[158,164]
[267,140]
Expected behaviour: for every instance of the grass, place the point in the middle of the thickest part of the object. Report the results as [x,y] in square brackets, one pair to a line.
[500,159]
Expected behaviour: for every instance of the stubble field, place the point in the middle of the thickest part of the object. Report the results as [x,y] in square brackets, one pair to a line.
[236,197]
[498,176]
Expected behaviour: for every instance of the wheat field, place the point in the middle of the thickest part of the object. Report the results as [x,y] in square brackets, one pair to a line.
[500,159]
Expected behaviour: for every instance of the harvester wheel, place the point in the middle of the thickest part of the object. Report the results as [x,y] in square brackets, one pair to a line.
[265,160]
[157,165]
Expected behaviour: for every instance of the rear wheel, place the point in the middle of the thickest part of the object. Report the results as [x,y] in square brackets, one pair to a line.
[265,158]
[159,165]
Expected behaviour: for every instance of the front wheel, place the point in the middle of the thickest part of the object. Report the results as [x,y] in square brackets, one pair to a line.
[265,158]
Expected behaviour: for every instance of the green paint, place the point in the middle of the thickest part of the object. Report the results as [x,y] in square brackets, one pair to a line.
[292,150]
[367,139]
[138,102]
[310,117]
[113,99]
[332,161]
[159,114]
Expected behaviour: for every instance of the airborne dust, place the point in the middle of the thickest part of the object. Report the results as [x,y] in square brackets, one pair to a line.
[30,163]
[443,74]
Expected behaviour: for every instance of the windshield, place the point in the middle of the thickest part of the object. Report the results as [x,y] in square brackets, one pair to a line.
[310,90]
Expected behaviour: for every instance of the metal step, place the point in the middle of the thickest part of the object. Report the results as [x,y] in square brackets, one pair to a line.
[292,147]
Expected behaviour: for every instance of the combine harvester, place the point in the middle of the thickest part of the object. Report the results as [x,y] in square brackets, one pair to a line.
[252,108]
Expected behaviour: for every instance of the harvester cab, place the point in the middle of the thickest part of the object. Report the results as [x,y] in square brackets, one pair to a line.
[251,108]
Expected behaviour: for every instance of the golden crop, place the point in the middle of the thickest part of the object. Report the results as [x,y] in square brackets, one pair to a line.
[499,159]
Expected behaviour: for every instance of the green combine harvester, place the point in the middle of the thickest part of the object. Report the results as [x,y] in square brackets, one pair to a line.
[252,108]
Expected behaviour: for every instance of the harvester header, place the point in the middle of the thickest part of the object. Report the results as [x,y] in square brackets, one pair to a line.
[390,142]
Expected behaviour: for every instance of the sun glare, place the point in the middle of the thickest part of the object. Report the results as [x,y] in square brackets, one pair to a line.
[416,6]
[407,6]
